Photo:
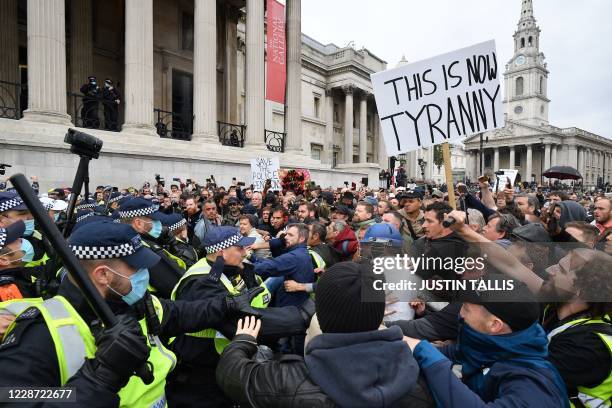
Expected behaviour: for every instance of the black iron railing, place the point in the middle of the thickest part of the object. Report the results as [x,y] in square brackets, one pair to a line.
[231,134]
[275,141]
[173,125]
[12,104]
[95,112]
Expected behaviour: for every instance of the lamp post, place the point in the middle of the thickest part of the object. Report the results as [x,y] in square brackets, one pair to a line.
[422,164]
[542,161]
[482,152]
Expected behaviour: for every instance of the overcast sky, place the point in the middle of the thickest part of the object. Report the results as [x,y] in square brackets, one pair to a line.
[576,39]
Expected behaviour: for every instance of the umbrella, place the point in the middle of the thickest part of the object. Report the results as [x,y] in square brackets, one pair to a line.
[562,173]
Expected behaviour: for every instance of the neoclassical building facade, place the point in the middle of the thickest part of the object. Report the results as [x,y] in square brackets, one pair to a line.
[192,77]
[528,142]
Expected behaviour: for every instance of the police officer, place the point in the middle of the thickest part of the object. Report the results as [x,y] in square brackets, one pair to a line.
[51,341]
[113,201]
[15,279]
[177,239]
[89,111]
[112,99]
[13,209]
[143,216]
[222,272]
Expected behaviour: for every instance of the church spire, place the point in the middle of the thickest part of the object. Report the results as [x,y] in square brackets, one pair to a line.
[527,35]
[526,13]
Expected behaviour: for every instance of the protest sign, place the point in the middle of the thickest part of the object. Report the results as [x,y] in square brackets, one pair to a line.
[262,169]
[440,99]
[502,176]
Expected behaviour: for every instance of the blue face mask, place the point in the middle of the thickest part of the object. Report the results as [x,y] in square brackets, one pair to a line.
[156,230]
[28,250]
[56,217]
[139,282]
[29,228]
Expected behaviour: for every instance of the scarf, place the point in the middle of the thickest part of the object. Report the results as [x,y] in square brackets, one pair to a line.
[525,348]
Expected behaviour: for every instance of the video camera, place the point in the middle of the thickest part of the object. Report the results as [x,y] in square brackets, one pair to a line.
[3,167]
[160,180]
[83,144]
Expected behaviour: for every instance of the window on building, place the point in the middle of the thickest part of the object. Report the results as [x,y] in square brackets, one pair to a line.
[355,158]
[519,86]
[187,31]
[517,159]
[487,160]
[334,159]
[317,106]
[315,151]
[336,113]
[530,41]
[522,43]
[542,85]
[370,158]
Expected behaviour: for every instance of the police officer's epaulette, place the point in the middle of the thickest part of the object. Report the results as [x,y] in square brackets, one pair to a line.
[216,270]
[29,313]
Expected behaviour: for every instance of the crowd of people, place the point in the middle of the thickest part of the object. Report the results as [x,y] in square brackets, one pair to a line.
[237,297]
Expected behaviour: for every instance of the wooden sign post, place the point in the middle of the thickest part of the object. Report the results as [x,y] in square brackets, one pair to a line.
[448,173]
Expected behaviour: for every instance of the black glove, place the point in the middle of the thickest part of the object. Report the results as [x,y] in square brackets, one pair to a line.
[241,304]
[121,349]
[307,309]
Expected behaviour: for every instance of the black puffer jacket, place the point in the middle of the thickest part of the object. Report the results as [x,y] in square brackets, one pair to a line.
[369,369]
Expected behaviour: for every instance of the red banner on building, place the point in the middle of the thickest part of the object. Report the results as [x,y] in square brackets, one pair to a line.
[277,52]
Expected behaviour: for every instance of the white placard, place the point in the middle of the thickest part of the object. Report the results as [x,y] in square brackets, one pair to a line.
[502,178]
[263,168]
[441,99]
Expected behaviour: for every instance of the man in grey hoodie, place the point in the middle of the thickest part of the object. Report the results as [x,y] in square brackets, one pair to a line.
[350,364]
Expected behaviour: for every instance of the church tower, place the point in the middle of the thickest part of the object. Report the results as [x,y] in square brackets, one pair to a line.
[526,76]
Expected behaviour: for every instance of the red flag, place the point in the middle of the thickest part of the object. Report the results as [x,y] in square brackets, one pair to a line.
[277,52]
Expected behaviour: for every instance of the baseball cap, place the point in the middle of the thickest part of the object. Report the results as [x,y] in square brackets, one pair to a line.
[105,239]
[139,207]
[11,233]
[219,238]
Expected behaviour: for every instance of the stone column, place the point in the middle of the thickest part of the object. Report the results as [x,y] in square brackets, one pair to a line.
[255,74]
[363,128]
[581,167]
[139,67]
[9,54]
[383,160]
[512,158]
[553,156]
[47,62]
[81,44]
[293,114]
[528,163]
[328,149]
[496,159]
[231,63]
[546,156]
[348,124]
[205,70]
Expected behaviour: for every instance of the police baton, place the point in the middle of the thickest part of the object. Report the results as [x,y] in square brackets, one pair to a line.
[78,274]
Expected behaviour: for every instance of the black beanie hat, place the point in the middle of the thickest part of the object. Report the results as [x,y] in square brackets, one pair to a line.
[516,307]
[340,303]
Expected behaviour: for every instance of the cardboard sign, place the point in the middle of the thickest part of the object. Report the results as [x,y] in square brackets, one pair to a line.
[502,178]
[440,99]
[262,169]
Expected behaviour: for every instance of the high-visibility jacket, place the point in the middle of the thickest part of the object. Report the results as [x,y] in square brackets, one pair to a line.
[203,268]
[74,342]
[600,395]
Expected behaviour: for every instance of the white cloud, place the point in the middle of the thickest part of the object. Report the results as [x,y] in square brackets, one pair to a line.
[575,38]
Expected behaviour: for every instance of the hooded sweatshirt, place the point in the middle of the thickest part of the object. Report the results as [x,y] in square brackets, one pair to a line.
[365,369]
[346,244]
[571,211]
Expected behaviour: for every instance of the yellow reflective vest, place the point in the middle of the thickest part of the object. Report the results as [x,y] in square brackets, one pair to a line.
[601,395]
[203,268]
[74,342]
